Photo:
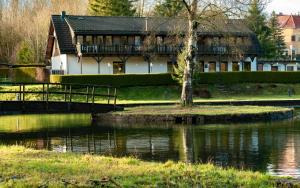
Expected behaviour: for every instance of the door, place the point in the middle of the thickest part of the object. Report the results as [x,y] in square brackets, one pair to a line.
[118,67]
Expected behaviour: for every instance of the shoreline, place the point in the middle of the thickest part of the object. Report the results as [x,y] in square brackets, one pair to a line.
[172,115]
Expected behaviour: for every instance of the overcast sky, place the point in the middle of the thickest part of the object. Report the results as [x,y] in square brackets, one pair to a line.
[285,6]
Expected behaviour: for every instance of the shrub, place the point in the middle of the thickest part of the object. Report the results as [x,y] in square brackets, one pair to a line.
[121,80]
[24,74]
[4,73]
[25,54]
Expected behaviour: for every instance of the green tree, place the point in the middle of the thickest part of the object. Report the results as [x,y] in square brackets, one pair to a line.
[25,55]
[168,8]
[257,22]
[111,7]
[276,37]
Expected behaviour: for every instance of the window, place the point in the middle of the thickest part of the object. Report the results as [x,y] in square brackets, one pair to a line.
[108,40]
[247,66]
[224,66]
[99,40]
[131,40]
[290,68]
[274,68]
[212,66]
[137,40]
[116,40]
[89,39]
[260,67]
[80,39]
[235,66]
[124,40]
[118,67]
[159,40]
[293,38]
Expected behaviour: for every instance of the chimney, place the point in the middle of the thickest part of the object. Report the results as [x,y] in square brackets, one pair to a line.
[63,15]
[146,23]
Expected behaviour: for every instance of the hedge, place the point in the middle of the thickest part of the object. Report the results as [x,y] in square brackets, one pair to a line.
[21,74]
[4,73]
[125,80]
[121,80]
[247,77]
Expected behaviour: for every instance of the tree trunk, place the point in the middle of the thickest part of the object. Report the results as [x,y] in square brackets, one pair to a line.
[187,87]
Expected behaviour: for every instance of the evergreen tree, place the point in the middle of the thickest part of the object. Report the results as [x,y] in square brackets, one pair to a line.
[257,22]
[25,54]
[276,37]
[168,8]
[111,7]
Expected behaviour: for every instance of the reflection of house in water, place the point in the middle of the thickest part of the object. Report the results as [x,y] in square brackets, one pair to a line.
[258,147]
[289,161]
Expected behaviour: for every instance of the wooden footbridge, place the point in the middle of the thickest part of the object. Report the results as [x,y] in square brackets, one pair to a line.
[56,98]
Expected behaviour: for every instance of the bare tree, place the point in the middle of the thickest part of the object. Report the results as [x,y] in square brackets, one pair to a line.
[204,13]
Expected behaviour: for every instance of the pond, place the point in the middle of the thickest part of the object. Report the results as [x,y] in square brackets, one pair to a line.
[267,147]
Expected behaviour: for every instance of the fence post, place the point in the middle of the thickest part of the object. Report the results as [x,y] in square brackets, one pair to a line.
[47,97]
[70,98]
[23,97]
[108,93]
[20,92]
[47,93]
[115,99]
[87,94]
[65,93]
[93,94]
[43,92]
[70,93]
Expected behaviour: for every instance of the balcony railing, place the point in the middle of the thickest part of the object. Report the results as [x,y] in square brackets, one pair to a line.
[127,49]
[165,49]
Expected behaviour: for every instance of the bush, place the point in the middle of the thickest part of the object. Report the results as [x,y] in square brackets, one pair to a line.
[4,73]
[121,80]
[247,77]
[23,74]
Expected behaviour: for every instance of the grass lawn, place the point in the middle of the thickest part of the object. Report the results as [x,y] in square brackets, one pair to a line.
[21,167]
[200,110]
[161,94]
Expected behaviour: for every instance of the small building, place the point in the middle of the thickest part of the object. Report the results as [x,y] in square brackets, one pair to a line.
[290,25]
[138,45]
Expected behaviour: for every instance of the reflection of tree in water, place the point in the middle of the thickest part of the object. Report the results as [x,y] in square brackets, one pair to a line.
[244,146]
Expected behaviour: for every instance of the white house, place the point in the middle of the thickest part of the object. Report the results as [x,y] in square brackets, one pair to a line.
[139,45]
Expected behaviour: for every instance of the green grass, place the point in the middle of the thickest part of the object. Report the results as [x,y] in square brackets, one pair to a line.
[21,167]
[201,110]
[161,94]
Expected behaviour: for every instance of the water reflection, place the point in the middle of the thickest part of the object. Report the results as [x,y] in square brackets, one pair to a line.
[272,147]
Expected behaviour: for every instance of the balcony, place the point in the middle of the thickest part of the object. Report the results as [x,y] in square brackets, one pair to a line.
[92,50]
[127,49]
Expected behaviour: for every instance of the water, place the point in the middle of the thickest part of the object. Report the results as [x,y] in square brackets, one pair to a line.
[266,147]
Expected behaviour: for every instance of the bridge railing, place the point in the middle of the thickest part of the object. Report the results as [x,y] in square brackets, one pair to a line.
[58,92]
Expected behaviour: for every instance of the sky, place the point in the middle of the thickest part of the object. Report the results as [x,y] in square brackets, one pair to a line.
[284,6]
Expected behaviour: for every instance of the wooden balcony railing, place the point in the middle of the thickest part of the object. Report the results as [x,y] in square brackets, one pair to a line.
[165,49]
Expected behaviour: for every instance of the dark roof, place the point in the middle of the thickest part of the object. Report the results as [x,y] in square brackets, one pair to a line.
[137,25]
[142,25]
[63,35]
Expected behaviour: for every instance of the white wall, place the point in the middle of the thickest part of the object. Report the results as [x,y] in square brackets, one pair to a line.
[229,66]
[267,67]
[159,65]
[56,63]
[134,65]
